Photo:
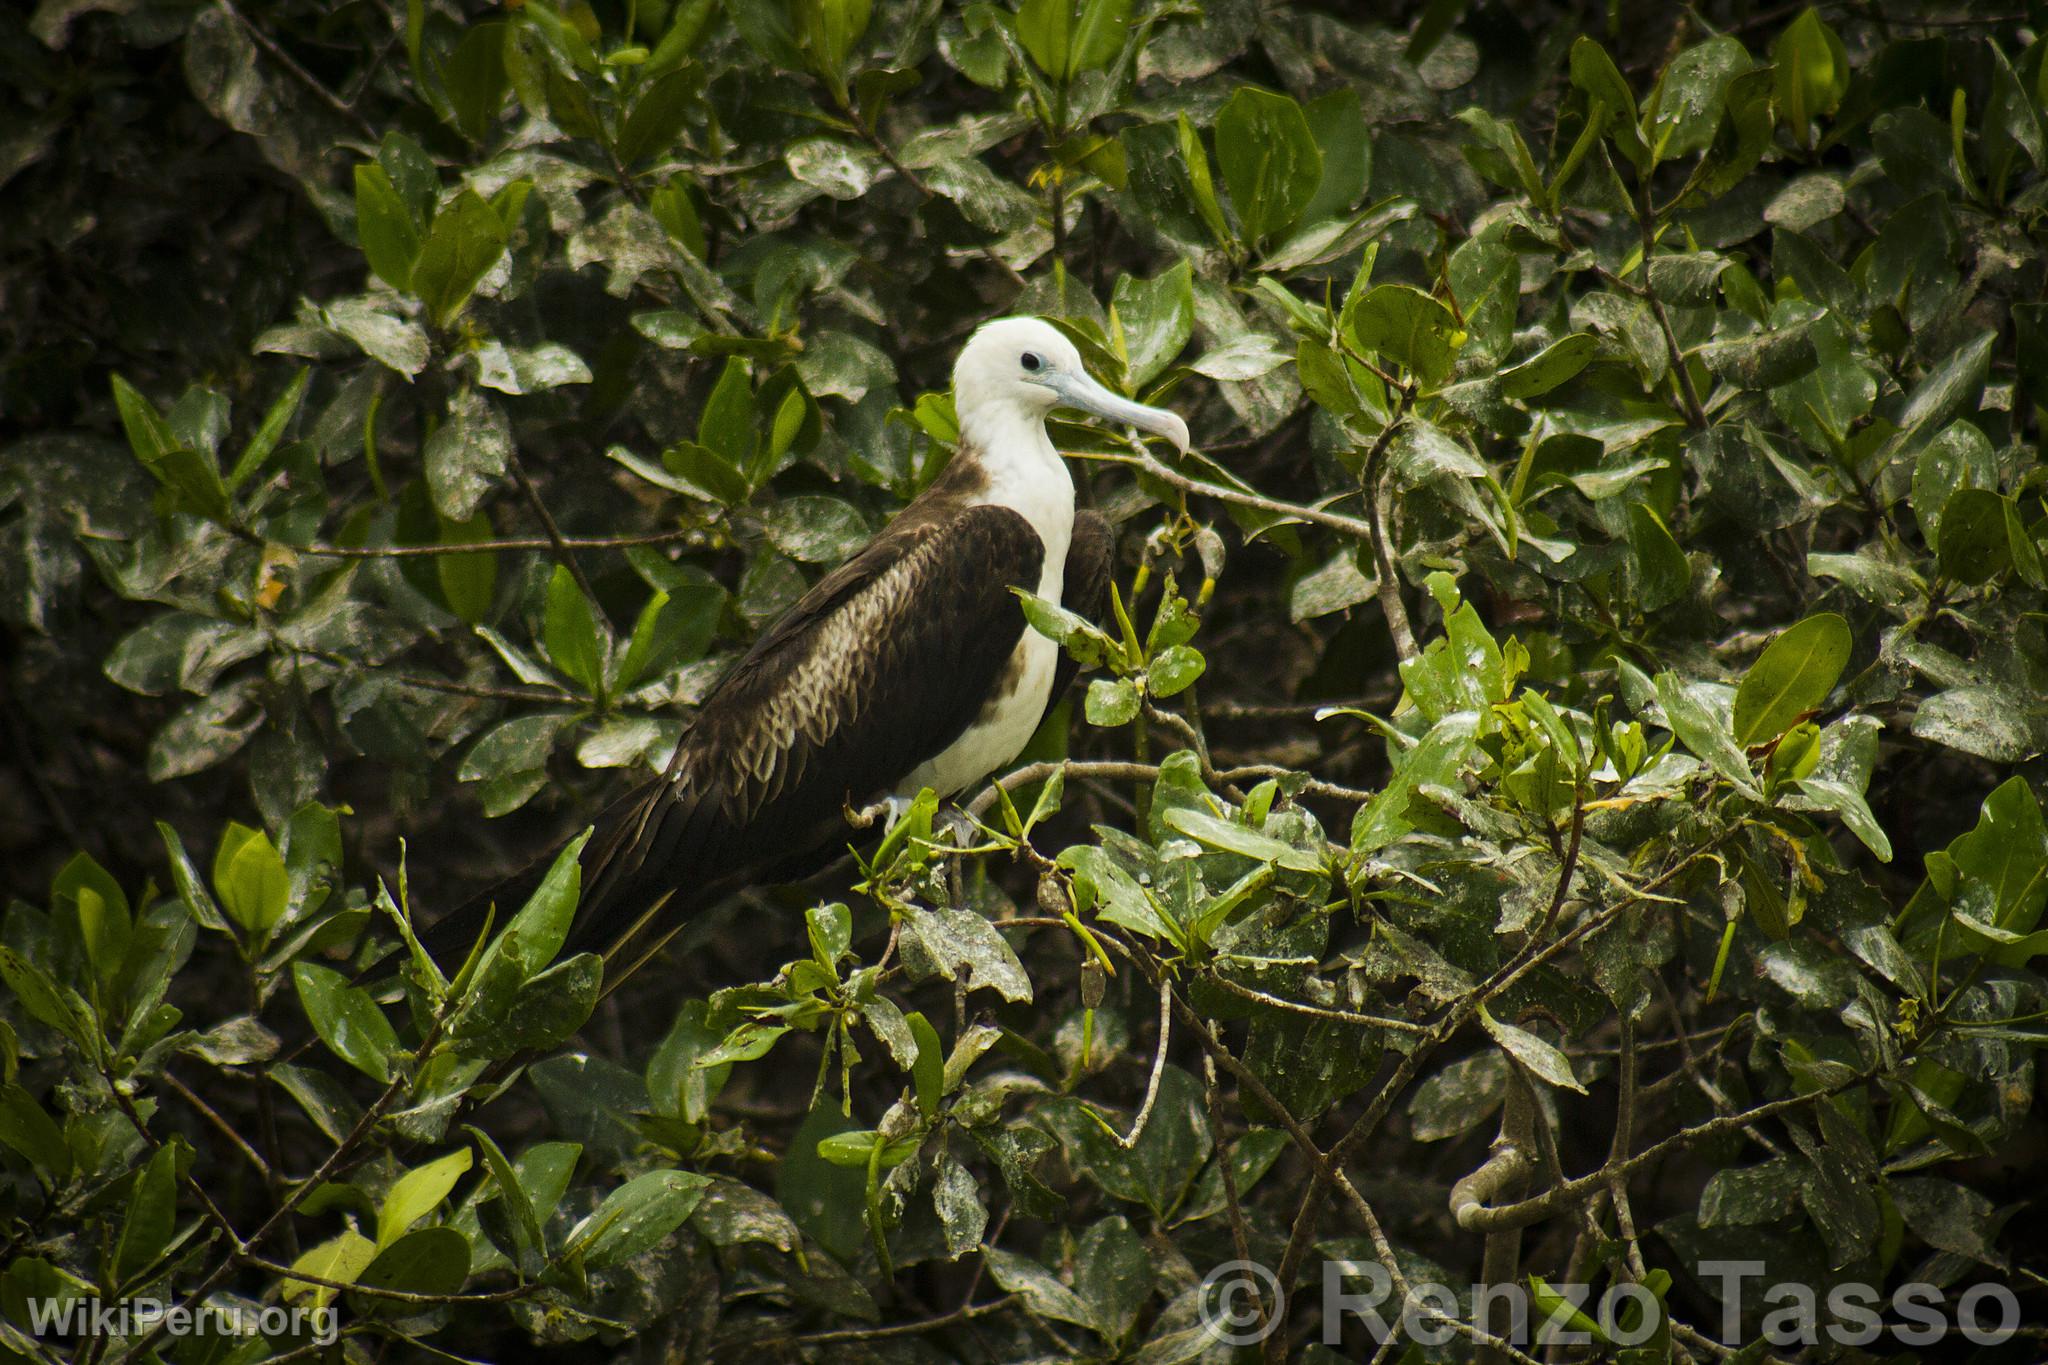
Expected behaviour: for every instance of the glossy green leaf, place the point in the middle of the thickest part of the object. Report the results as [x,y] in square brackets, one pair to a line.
[465,241]
[1271,164]
[347,1019]
[570,632]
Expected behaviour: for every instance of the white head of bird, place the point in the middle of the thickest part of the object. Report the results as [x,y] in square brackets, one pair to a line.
[1014,371]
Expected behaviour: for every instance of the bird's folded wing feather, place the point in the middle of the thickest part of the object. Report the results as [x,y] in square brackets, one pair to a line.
[879,667]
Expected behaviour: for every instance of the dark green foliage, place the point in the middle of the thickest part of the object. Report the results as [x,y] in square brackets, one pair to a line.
[1585,690]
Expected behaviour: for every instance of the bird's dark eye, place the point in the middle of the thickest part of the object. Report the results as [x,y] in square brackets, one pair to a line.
[1033,362]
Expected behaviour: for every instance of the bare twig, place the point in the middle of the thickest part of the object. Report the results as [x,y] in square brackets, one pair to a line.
[1316,1011]
[269,48]
[565,554]
[1573,1191]
[964,1313]
[1130,1139]
[1387,580]
[321,549]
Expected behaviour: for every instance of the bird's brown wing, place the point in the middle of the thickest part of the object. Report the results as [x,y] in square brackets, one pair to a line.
[879,667]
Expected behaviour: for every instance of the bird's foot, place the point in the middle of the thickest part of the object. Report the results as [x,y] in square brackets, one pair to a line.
[957,825]
[888,811]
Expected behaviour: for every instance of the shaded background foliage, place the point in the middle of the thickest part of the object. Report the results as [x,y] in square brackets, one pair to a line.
[1606,371]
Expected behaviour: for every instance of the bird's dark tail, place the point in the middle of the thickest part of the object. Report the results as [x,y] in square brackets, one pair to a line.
[654,856]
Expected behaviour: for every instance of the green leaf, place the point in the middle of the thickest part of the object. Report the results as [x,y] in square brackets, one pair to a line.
[857,1149]
[1236,838]
[707,473]
[249,875]
[1556,364]
[191,888]
[1201,185]
[1766,359]
[271,431]
[104,917]
[529,1243]
[152,1215]
[1434,761]
[1975,544]
[1705,734]
[1662,564]
[1998,721]
[1098,35]
[28,1128]
[1545,1062]
[1045,28]
[385,226]
[928,1074]
[466,240]
[1792,677]
[1546,1305]
[814,529]
[417,1193]
[1111,702]
[1174,670]
[542,924]
[659,115]
[1459,1098]
[828,31]
[347,1019]
[149,436]
[1848,803]
[727,425]
[1691,97]
[474,79]
[1812,73]
[636,1217]
[340,1259]
[1155,318]
[1952,389]
[1038,1290]
[1410,328]
[1595,73]
[468,582]
[956,1198]
[570,633]
[2025,554]
[1271,164]
[467,455]
[431,1261]
[53,1004]
[1749,129]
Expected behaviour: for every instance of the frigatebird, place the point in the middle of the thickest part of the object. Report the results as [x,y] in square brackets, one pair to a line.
[908,666]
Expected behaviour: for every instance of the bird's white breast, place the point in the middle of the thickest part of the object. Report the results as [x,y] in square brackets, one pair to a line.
[1027,476]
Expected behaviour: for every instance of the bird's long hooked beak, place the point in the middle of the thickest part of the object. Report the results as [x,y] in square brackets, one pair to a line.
[1079,391]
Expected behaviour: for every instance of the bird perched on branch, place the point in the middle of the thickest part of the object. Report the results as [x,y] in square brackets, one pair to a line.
[908,666]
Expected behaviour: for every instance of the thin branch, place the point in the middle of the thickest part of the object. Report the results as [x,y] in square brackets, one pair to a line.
[1387,581]
[1336,521]
[961,1314]
[1038,772]
[1695,413]
[324,550]
[1573,1191]
[1240,1231]
[565,554]
[226,1129]
[342,1151]
[268,46]
[398,1295]
[1315,1011]
[1130,1139]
